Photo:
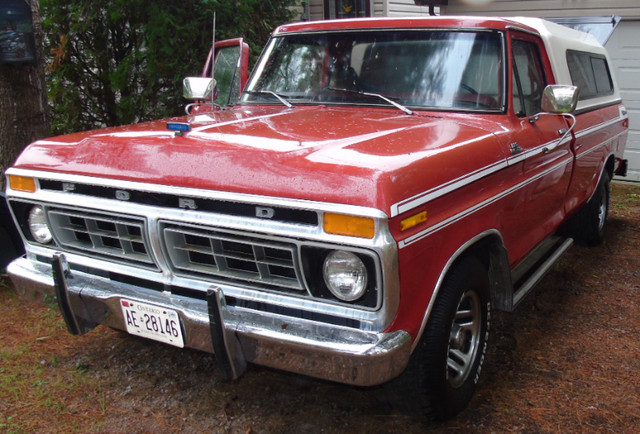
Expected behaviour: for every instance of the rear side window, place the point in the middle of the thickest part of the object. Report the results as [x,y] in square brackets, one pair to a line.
[590,72]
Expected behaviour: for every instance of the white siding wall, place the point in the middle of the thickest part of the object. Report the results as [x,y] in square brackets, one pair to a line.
[316,10]
[405,8]
[298,12]
[545,8]
[379,8]
[624,49]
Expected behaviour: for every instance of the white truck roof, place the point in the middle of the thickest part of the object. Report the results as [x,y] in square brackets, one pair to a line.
[558,39]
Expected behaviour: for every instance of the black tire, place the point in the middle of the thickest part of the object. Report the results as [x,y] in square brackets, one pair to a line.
[10,241]
[591,221]
[445,367]
[8,251]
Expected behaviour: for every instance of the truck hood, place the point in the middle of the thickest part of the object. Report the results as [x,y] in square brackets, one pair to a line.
[367,157]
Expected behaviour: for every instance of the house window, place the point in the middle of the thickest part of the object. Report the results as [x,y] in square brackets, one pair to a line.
[346,8]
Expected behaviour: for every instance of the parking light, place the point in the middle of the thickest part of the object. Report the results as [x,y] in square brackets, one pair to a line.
[22,183]
[412,221]
[354,226]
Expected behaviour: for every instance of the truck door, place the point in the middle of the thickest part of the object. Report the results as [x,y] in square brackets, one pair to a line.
[546,162]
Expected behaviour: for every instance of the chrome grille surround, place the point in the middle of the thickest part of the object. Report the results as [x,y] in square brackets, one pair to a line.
[114,237]
[226,255]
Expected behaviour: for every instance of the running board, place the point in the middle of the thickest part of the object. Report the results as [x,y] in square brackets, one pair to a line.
[533,268]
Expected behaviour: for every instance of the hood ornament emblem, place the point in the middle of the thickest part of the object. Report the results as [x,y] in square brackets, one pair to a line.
[179,127]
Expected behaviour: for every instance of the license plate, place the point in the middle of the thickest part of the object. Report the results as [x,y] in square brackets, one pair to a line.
[152,322]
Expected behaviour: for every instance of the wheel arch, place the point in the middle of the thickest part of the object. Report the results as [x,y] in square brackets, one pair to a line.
[609,168]
[488,247]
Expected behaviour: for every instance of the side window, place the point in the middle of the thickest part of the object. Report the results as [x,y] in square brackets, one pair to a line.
[590,73]
[602,75]
[231,69]
[528,78]
[226,75]
[518,108]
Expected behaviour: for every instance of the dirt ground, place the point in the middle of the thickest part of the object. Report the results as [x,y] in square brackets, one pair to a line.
[568,360]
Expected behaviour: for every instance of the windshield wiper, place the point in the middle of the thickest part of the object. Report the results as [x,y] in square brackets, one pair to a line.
[272,93]
[377,95]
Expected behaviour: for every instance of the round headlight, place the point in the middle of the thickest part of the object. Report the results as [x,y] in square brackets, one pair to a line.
[38,225]
[345,275]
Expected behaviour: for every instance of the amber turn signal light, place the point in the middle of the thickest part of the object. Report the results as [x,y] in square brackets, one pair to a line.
[412,221]
[341,224]
[22,183]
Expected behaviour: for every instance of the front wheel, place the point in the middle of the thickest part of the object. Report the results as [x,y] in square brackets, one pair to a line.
[445,367]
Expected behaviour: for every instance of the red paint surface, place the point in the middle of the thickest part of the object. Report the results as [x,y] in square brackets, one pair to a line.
[370,157]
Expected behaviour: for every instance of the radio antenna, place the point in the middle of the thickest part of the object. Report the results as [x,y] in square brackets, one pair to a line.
[213,61]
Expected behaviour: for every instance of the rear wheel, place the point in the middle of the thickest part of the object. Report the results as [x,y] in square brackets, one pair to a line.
[591,222]
[445,367]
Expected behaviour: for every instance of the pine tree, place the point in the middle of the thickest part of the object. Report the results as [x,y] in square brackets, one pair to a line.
[122,61]
[24,111]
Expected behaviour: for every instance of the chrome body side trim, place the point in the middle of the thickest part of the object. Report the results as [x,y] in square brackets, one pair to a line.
[595,148]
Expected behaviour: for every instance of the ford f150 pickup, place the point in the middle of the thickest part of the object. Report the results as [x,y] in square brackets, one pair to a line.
[353,211]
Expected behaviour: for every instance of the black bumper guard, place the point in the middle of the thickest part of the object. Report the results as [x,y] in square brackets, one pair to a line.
[227,350]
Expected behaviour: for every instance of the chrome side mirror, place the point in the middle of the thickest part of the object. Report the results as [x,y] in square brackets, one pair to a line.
[559,98]
[198,88]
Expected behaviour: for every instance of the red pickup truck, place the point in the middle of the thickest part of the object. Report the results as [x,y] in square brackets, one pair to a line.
[353,211]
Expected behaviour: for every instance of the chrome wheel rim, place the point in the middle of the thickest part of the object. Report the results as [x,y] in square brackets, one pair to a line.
[602,212]
[464,339]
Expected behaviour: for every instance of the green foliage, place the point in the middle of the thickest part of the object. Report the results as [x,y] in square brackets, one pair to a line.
[117,62]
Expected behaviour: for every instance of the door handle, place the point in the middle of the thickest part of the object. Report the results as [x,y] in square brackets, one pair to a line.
[550,148]
[561,132]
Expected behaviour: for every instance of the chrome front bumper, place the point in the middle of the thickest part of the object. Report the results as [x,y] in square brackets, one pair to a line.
[239,336]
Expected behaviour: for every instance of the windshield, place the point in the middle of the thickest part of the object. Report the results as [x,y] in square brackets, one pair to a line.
[434,69]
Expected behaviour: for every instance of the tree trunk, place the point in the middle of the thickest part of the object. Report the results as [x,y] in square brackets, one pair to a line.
[24,110]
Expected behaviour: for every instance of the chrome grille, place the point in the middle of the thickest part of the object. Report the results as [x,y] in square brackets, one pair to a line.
[230,256]
[102,235]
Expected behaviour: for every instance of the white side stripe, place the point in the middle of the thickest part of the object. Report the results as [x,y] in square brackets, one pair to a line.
[436,192]
[435,228]
[443,189]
